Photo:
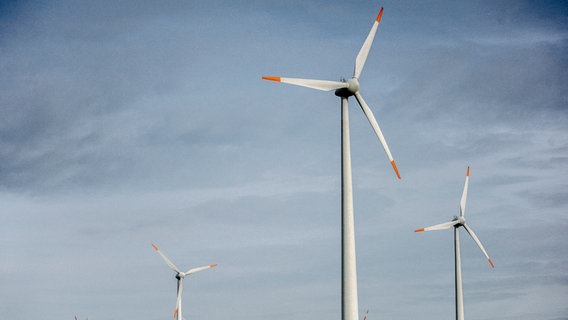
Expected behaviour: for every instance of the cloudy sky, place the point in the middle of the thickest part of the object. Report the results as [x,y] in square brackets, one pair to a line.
[127,123]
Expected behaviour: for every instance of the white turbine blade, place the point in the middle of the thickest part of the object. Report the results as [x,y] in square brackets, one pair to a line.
[376,128]
[323,85]
[464,194]
[441,226]
[178,301]
[364,52]
[472,234]
[173,266]
[194,270]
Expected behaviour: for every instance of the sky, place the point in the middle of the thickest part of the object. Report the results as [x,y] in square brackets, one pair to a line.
[127,123]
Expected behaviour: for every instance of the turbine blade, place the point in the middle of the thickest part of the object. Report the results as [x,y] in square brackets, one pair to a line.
[441,226]
[364,52]
[376,128]
[472,234]
[194,270]
[464,194]
[178,300]
[173,266]
[323,85]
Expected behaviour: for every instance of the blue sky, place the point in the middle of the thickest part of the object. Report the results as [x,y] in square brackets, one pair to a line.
[136,122]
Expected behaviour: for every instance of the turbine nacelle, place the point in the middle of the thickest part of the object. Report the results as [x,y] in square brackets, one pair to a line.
[351,88]
[460,221]
[180,275]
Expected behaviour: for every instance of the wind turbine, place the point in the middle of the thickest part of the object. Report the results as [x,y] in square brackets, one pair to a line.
[179,276]
[345,89]
[458,222]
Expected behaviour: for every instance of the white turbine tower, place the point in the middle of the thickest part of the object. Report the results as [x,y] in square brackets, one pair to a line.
[458,222]
[180,276]
[345,89]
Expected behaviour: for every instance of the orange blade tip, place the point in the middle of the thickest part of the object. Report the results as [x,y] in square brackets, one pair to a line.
[175,313]
[395,169]
[491,263]
[154,246]
[213,265]
[380,14]
[467,174]
[277,79]
[419,230]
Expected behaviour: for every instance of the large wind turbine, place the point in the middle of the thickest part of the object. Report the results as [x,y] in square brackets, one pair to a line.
[344,90]
[458,222]
[179,276]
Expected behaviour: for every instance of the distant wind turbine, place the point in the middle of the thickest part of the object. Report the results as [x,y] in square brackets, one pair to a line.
[458,222]
[179,276]
[344,90]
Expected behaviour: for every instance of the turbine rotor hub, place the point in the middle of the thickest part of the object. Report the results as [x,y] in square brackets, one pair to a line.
[353,87]
[461,221]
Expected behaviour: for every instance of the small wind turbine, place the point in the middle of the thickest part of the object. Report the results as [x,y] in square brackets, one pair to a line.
[458,222]
[179,276]
[345,89]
